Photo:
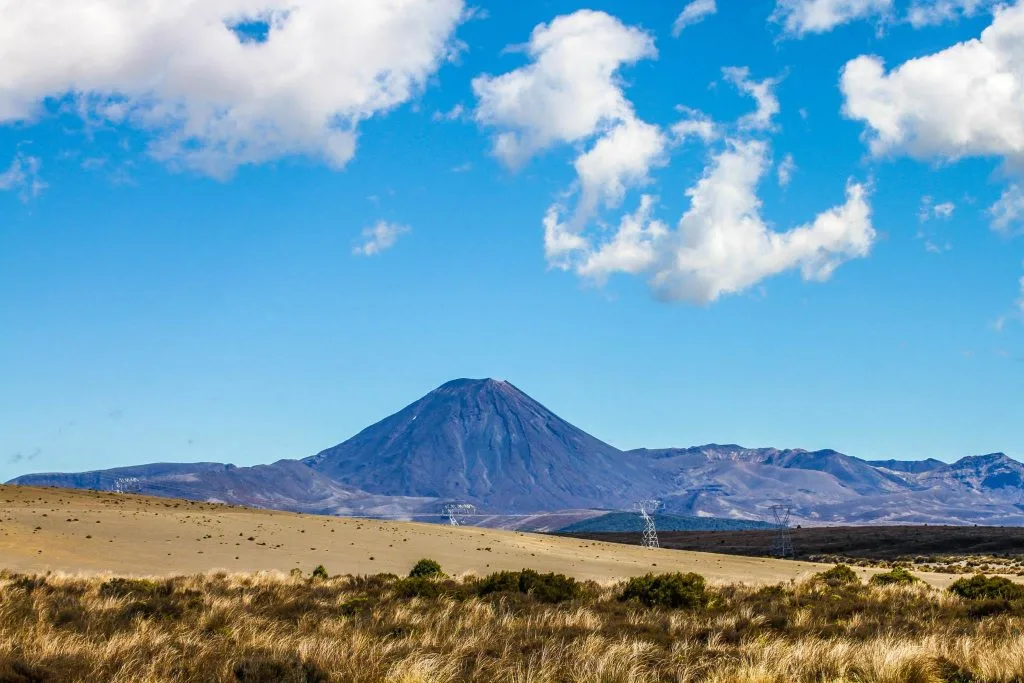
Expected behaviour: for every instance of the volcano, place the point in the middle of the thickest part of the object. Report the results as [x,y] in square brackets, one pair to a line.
[487,442]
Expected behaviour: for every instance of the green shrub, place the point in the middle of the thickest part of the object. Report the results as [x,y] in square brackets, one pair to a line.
[981,587]
[550,588]
[320,572]
[839,575]
[667,590]
[896,575]
[426,569]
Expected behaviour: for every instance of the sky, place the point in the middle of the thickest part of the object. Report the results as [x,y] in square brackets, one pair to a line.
[243,230]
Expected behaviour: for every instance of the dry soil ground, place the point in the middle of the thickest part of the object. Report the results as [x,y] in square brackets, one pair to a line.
[87,532]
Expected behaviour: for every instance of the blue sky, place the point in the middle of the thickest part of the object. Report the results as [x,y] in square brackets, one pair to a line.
[240,248]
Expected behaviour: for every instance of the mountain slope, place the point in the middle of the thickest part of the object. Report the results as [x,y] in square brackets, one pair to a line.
[284,485]
[487,442]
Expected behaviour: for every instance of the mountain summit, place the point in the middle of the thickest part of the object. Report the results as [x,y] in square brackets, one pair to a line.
[485,440]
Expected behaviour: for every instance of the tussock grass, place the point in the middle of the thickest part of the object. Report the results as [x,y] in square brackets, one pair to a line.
[276,628]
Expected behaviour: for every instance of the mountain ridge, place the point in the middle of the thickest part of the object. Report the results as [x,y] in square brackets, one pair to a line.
[487,442]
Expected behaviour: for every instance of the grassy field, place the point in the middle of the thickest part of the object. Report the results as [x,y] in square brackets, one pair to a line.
[61,530]
[277,628]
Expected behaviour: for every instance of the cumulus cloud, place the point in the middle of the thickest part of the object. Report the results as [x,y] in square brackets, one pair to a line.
[618,160]
[380,237]
[569,91]
[221,83]
[800,17]
[722,245]
[966,100]
[693,13]
[1007,214]
[933,12]
[22,176]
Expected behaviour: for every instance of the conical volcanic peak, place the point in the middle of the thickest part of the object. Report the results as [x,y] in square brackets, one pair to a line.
[488,442]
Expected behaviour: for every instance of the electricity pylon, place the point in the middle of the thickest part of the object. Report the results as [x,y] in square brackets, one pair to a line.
[457,512]
[782,543]
[647,508]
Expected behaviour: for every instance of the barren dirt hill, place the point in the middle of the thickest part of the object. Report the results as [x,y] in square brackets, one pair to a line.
[44,529]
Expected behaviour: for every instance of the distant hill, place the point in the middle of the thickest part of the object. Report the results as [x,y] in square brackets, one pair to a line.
[488,443]
[624,521]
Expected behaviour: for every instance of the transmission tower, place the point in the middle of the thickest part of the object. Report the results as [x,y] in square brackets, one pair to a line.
[782,543]
[457,512]
[647,508]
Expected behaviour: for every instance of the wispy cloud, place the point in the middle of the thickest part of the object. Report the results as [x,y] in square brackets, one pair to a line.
[22,176]
[693,13]
[380,237]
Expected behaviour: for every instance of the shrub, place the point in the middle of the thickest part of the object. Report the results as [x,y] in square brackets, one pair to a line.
[896,575]
[320,572]
[981,587]
[839,575]
[426,569]
[550,588]
[667,590]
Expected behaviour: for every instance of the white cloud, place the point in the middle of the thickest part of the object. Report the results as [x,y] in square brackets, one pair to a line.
[453,114]
[569,91]
[694,124]
[22,176]
[620,159]
[380,237]
[787,167]
[693,13]
[967,100]
[763,93]
[1020,301]
[1008,211]
[929,210]
[722,245]
[944,210]
[800,17]
[933,12]
[213,99]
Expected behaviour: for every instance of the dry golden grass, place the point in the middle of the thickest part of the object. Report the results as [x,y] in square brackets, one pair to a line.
[276,628]
[60,530]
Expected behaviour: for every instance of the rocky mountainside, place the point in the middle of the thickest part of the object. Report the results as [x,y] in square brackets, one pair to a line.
[488,443]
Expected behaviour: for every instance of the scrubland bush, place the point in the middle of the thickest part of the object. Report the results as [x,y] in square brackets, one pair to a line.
[981,587]
[549,588]
[839,575]
[673,591]
[426,569]
[896,575]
